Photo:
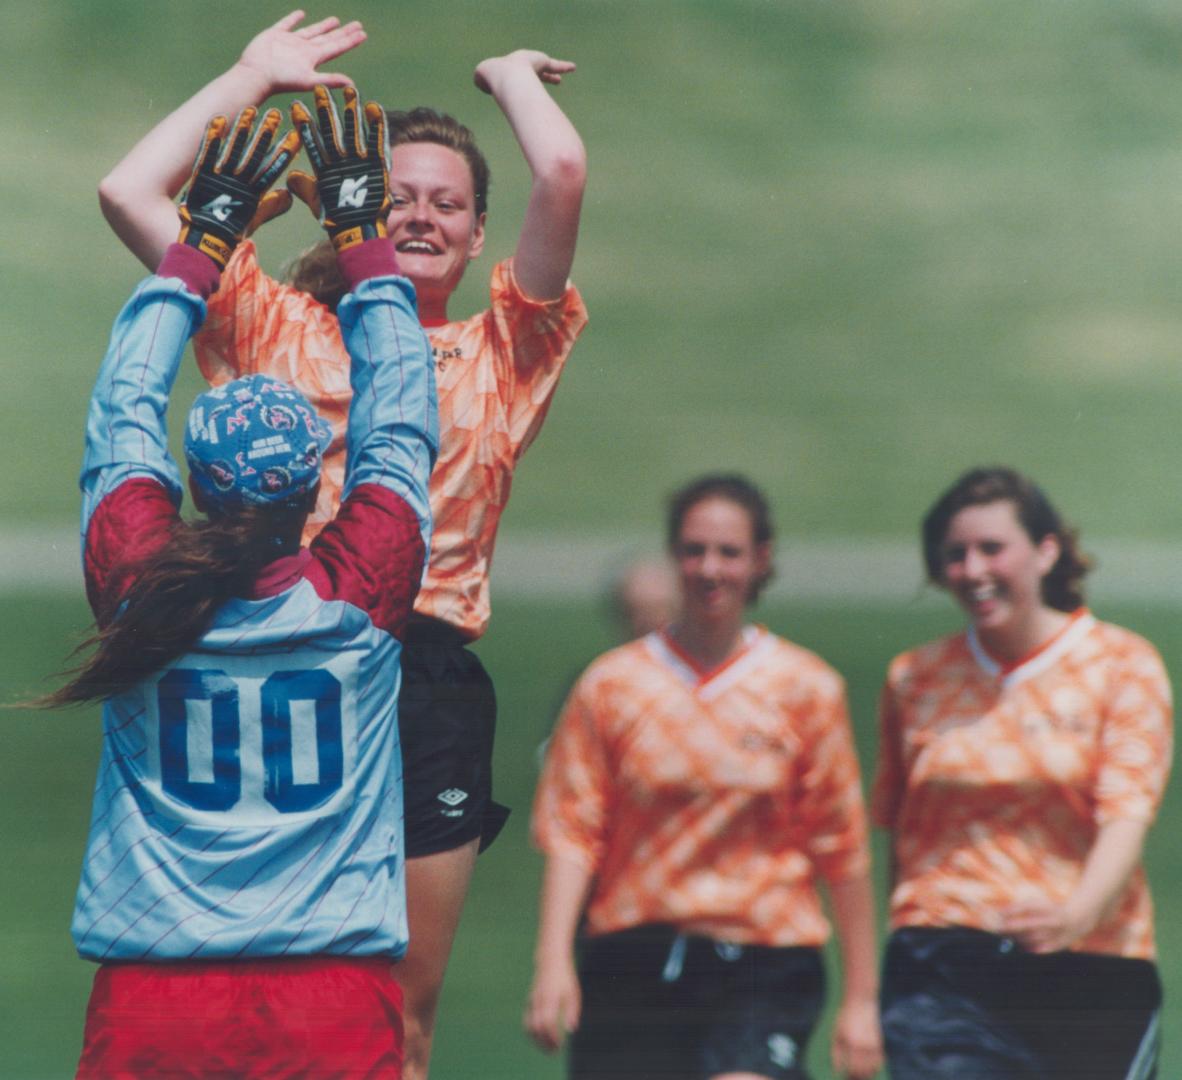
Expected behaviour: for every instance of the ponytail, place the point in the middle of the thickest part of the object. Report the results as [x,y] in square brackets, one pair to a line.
[176,594]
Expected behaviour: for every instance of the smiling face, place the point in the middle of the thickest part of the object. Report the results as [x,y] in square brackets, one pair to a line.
[995,571]
[718,561]
[433,221]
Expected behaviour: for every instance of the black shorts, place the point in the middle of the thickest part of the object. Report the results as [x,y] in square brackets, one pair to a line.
[447,716]
[966,1004]
[660,1004]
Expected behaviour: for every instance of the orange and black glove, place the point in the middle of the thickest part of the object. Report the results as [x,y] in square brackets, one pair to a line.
[228,195]
[350,193]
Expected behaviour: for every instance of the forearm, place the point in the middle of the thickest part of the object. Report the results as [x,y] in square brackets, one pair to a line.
[565,887]
[557,162]
[852,901]
[126,433]
[137,195]
[1111,861]
[393,425]
[548,140]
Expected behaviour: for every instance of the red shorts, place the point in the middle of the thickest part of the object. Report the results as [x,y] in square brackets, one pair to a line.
[303,1017]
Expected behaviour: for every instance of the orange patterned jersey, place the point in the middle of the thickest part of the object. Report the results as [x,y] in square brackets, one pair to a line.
[994,780]
[710,801]
[495,372]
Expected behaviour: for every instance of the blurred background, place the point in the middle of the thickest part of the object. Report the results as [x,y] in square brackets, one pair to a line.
[849,249]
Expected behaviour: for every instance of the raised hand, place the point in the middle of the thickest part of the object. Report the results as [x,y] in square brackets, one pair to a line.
[285,56]
[545,67]
[350,191]
[228,194]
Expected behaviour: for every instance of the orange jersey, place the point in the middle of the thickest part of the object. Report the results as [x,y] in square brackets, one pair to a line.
[707,801]
[994,780]
[495,372]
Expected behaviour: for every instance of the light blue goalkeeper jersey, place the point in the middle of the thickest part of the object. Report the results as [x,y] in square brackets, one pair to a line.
[248,800]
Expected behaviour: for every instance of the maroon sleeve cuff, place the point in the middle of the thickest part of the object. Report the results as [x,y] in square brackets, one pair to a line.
[199,272]
[373,258]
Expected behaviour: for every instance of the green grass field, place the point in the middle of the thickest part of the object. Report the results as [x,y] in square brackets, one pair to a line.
[848,248]
[47,773]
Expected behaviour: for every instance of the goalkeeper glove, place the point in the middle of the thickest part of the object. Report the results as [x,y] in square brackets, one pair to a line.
[228,194]
[350,193]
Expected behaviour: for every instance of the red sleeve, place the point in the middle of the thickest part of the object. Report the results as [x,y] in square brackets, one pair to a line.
[372,556]
[131,524]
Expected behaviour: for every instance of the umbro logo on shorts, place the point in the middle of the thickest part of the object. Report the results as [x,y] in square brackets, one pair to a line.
[782,1050]
[452,798]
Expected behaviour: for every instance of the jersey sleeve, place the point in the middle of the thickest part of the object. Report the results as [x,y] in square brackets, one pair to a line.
[830,807]
[1136,739]
[374,550]
[532,340]
[131,486]
[570,809]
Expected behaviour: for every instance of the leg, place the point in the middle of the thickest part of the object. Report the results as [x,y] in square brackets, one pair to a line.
[436,886]
[446,721]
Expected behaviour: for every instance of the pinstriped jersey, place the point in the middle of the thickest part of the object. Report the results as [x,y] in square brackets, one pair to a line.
[710,800]
[496,373]
[248,800]
[995,779]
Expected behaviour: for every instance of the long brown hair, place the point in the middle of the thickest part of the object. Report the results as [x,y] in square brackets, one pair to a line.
[315,270]
[176,593]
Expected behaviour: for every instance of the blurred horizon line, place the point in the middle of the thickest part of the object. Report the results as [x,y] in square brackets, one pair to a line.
[546,565]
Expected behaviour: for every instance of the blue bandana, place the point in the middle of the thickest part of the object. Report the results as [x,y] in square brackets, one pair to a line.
[255,441]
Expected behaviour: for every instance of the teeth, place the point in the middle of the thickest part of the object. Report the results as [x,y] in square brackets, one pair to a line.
[985,592]
[417,247]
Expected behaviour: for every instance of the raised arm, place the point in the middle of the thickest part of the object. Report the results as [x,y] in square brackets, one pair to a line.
[137,195]
[130,482]
[557,163]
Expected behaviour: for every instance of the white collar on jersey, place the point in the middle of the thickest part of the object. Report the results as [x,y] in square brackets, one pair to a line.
[756,641]
[1045,658]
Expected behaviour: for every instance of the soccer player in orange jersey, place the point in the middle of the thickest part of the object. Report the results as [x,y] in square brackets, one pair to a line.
[699,781]
[1022,762]
[495,371]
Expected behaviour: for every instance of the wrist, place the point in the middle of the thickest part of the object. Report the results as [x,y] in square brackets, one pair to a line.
[368,259]
[549,956]
[344,239]
[251,85]
[198,271]
[1082,914]
[860,998]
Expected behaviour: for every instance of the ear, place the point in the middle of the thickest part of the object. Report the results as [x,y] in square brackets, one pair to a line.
[763,560]
[1049,549]
[476,244]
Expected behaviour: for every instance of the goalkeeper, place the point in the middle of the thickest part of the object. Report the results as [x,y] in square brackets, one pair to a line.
[243,884]
[497,372]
